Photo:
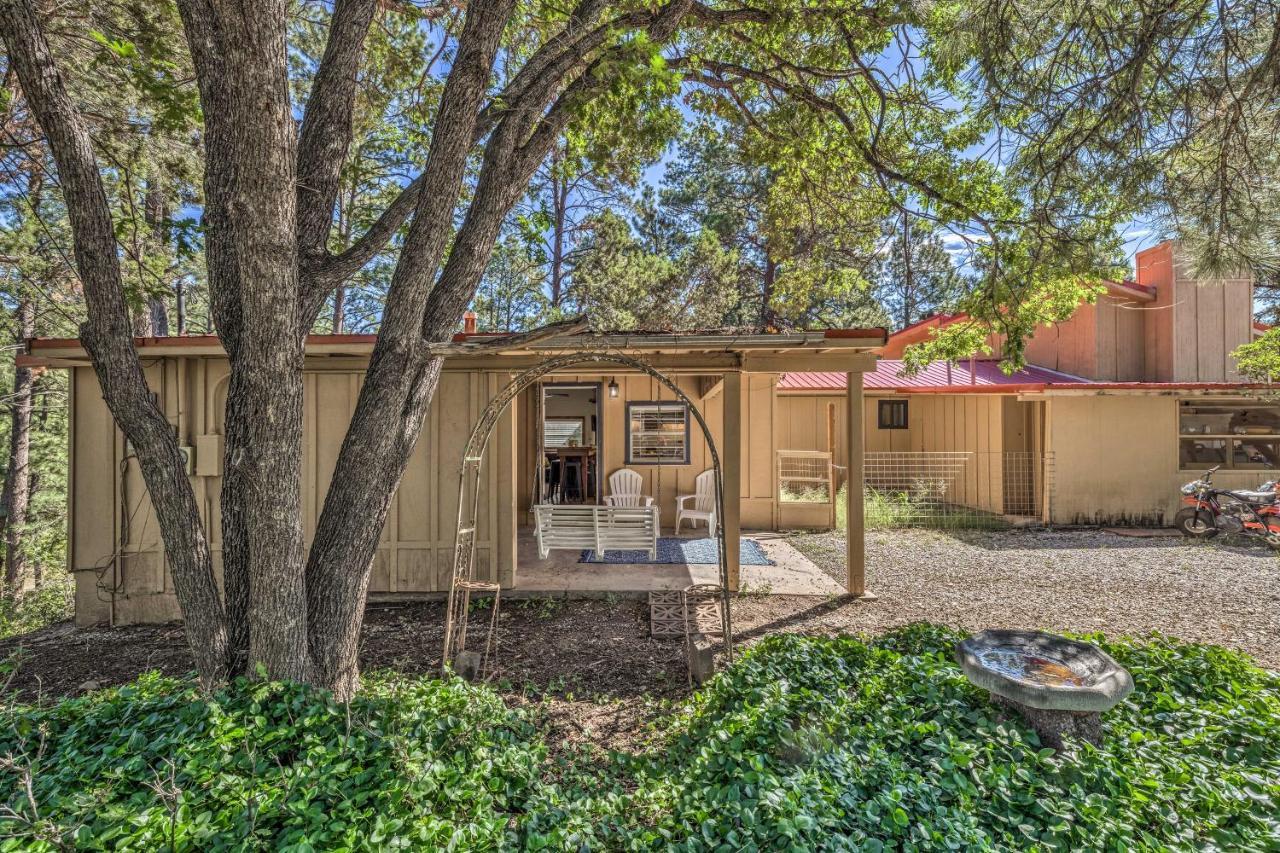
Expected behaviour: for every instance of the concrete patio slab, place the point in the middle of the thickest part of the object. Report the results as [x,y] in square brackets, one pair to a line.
[562,575]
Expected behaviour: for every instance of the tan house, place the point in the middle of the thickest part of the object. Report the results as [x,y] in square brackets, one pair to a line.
[1121,404]
[562,438]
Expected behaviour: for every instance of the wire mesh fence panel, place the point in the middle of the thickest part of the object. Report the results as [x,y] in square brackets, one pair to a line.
[956,488]
[805,476]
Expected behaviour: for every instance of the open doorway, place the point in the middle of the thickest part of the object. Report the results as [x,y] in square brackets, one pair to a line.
[571,437]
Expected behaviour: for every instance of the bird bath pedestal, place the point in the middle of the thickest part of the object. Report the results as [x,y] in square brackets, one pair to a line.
[1060,686]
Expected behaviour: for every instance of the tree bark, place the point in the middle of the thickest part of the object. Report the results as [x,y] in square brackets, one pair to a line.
[250,220]
[768,317]
[107,339]
[17,482]
[153,320]
[401,378]
[339,309]
[908,281]
[559,206]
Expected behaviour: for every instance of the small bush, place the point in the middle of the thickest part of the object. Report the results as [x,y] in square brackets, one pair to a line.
[156,765]
[37,608]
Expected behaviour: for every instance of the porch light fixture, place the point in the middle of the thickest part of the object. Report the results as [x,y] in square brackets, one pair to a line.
[613,387]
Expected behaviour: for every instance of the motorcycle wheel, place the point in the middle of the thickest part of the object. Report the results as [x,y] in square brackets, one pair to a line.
[1195,523]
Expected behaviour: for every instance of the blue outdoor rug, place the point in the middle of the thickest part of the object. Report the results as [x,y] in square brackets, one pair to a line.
[680,551]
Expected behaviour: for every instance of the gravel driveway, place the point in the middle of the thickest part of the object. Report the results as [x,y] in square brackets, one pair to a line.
[1078,580]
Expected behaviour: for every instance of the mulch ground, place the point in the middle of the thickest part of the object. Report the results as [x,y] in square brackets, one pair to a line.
[589,667]
[594,674]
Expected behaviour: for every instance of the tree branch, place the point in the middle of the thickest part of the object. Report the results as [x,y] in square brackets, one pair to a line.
[108,338]
[326,125]
[337,268]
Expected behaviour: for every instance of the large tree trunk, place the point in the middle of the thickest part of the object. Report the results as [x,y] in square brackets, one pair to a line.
[404,372]
[269,196]
[401,378]
[251,251]
[106,337]
[908,279]
[339,309]
[17,482]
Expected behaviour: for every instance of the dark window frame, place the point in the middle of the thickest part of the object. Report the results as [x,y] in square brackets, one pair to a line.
[887,414]
[630,459]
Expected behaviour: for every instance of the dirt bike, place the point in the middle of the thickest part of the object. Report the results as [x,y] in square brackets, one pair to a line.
[1208,511]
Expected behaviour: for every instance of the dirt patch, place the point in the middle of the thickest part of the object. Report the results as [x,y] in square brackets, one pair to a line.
[588,668]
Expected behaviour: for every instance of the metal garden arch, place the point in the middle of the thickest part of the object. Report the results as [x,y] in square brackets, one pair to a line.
[463,581]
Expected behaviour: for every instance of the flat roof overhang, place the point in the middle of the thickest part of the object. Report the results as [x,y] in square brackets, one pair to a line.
[831,349]
[1064,389]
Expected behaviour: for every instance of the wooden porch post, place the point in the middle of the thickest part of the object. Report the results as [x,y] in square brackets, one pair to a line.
[731,464]
[856,556]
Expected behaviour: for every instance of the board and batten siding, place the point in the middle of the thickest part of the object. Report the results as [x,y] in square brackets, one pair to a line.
[1193,325]
[416,549]
[665,482]
[971,423]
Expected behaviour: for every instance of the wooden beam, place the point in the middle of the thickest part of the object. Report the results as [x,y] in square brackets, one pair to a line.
[831,430]
[478,357]
[833,362]
[731,464]
[709,386]
[855,547]
[696,363]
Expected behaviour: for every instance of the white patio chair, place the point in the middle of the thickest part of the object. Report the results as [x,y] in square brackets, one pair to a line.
[624,489]
[704,503]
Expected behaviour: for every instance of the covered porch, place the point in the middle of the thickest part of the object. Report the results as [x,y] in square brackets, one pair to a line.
[582,424]
[567,574]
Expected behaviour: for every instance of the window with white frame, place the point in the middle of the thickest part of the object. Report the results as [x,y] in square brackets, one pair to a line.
[657,434]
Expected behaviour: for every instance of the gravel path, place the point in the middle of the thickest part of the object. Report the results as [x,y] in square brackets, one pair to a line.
[1078,580]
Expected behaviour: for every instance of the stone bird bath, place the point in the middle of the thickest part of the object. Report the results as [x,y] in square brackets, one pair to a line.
[1060,686]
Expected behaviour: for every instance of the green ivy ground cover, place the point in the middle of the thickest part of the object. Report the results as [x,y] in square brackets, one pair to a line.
[804,744]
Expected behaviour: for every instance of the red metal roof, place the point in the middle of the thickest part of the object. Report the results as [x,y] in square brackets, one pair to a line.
[889,375]
[986,378]
[812,381]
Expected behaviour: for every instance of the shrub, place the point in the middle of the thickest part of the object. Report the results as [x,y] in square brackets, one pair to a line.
[155,765]
[51,602]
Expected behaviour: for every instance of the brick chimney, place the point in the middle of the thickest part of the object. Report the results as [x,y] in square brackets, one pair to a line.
[469,322]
